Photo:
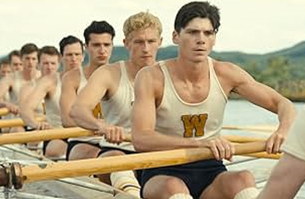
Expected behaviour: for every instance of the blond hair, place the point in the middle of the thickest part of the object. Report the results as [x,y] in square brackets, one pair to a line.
[141,21]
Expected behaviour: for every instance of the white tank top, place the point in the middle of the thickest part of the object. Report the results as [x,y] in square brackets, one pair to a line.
[17,85]
[176,117]
[52,105]
[14,94]
[90,139]
[117,109]
[82,80]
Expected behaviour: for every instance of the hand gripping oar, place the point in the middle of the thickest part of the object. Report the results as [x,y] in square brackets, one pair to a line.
[16,176]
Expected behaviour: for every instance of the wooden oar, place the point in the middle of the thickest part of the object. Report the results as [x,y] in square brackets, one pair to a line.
[17,122]
[265,155]
[43,135]
[116,163]
[240,139]
[51,134]
[251,128]
[4,111]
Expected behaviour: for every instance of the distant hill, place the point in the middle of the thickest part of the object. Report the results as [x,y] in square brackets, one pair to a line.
[295,55]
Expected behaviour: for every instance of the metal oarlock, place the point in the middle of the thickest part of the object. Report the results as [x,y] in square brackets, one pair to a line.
[11,175]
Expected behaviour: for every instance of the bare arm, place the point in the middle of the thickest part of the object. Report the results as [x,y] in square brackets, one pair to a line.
[143,120]
[5,85]
[269,99]
[85,102]
[29,103]
[70,83]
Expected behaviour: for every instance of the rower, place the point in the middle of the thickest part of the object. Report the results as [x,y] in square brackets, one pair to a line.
[112,85]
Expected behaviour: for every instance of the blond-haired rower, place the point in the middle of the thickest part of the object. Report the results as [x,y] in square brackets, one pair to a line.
[112,85]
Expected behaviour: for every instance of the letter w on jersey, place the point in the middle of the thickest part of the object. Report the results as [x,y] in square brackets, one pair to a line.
[194,125]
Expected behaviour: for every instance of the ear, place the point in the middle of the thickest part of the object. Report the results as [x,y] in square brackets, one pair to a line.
[161,40]
[175,36]
[125,41]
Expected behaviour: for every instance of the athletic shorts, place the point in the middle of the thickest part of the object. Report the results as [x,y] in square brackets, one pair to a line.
[295,142]
[127,152]
[73,143]
[197,175]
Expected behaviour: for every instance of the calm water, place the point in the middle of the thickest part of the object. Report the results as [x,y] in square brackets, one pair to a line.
[240,112]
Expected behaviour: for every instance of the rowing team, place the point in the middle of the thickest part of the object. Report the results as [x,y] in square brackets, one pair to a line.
[176,103]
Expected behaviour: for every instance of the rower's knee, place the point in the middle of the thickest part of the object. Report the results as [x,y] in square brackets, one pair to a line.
[112,153]
[174,185]
[240,181]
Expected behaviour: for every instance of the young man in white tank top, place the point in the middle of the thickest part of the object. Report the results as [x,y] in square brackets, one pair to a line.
[99,43]
[179,103]
[18,85]
[47,88]
[113,86]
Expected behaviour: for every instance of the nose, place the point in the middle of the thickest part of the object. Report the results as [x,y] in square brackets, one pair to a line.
[202,38]
[145,46]
[102,50]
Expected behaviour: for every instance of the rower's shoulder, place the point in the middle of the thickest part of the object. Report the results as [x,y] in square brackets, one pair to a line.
[153,71]
[109,68]
[72,74]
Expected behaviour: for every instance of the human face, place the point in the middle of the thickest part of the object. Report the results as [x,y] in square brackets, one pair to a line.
[72,56]
[30,61]
[5,70]
[196,40]
[99,48]
[49,64]
[143,46]
[16,63]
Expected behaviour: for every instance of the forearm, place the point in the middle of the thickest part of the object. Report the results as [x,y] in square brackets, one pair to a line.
[286,114]
[84,118]
[66,120]
[28,116]
[154,141]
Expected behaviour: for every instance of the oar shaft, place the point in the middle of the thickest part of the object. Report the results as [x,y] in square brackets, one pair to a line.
[17,122]
[243,139]
[251,128]
[34,136]
[129,162]
[4,111]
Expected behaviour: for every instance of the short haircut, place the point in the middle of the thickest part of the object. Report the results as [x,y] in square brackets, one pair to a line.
[49,50]
[196,9]
[28,49]
[13,53]
[141,21]
[68,40]
[5,62]
[98,27]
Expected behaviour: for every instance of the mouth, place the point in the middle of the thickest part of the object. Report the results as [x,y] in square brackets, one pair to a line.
[200,50]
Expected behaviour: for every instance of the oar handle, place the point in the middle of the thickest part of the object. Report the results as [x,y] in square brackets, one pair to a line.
[4,111]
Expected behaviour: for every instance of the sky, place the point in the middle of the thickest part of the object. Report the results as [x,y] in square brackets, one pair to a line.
[251,26]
